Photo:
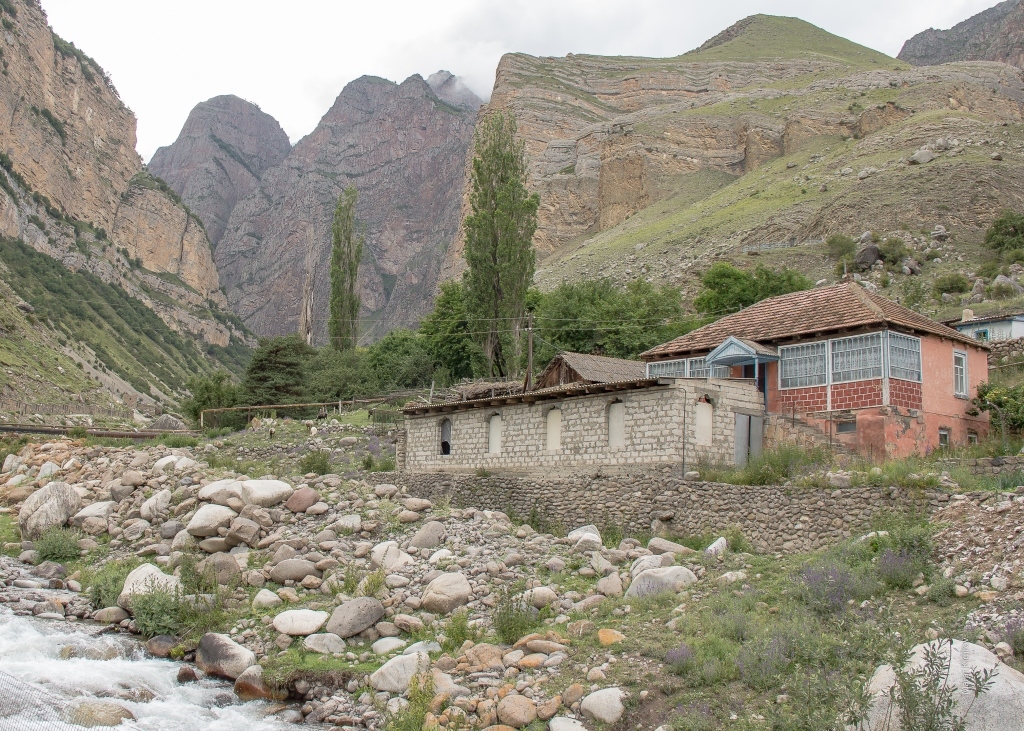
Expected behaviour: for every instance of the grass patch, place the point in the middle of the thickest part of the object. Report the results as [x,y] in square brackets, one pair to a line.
[317,461]
[773,467]
[9,532]
[103,585]
[456,631]
[513,617]
[59,544]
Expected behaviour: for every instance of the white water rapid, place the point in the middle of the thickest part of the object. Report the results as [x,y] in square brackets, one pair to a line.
[49,667]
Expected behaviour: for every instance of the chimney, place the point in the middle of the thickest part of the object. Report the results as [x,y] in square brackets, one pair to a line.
[968,315]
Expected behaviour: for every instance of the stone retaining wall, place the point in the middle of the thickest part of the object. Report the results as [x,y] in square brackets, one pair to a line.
[987,465]
[772,518]
[1003,351]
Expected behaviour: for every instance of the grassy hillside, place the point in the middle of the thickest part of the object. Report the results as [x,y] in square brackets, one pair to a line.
[113,332]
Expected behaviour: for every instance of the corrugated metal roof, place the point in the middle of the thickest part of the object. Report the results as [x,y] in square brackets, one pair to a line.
[598,368]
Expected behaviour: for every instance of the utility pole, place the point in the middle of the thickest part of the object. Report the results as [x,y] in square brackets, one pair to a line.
[528,383]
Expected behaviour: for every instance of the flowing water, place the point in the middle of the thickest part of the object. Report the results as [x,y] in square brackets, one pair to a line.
[49,668]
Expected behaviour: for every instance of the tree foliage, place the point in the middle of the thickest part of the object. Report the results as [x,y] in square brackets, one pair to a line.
[726,289]
[277,372]
[499,241]
[448,336]
[217,391]
[1006,233]
[346,252]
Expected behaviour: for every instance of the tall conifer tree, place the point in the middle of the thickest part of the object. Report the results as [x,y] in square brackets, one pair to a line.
[346,252]
[499,241]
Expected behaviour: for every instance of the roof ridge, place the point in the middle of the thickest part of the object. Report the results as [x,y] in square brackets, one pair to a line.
[867,298]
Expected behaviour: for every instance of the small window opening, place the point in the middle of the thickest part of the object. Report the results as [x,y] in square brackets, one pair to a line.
[846,427]
[446,437]
[617,425]
[943,437]
[554,430]
[494,434]
[972,438]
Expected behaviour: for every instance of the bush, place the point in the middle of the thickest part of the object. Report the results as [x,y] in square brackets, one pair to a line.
[1013,635]
[840,247]
[373,584]
[411,717]
[893,251]
[318,462]
[104,585]
[897,569]
[942,592]
[953,283]
[457,631]
[157,612]
[513,617]
[1006,232]
[78,432]
[828,587]
[59,544]
[707,662]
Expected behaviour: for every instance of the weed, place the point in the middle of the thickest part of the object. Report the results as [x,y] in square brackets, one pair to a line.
[456,631]
[897,569]
[373,584]
[104,584]
[78,432]
[351,582]
[411,716]
[59,544]
[157,611]
[611,533]
[828,587]
[177,441]
[513,617]
[942,592]
[1013,635]
[738,542]
[317,461]
[481,472]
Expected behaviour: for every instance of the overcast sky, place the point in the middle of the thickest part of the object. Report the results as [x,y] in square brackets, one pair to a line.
[292,57]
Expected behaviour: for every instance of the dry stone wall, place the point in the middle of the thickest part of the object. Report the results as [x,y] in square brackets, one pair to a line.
[1004,351]
[988,465]
[772,518]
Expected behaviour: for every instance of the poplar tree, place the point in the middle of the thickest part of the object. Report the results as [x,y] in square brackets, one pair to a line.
[346,252]
[499,241]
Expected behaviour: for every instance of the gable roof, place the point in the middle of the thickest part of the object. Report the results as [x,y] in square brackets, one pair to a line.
[820,311]
[598,368]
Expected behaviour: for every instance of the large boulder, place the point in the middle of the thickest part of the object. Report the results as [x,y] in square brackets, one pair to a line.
[224,566]
[998,709]
[221,491]
[133,479]
[587,538]
[657,581]
[294,569]
[354,616]
[166,422]
[48,469]
[243,531]
[92,713]
[302,500]
[389,556]
[100,510]
[517,711]
[208,519]
[49,507]
[250,686]
[265,493]
[395,675]
[866,257]
[220,655]
[144,580]
[325,643]
[430,535]
[299,622]
[156,506]
[604,706]
[446,593]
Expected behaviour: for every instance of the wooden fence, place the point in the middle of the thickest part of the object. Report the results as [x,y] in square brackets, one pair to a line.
[66,409]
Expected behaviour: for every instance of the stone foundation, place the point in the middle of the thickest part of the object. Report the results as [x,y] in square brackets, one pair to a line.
[987,465]
[772,518]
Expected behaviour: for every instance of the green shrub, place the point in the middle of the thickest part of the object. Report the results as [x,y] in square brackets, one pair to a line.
[456,631]
[513,617]
[317,461]
[411,717]
[158,612]
[953,283]
[893,251]
[840,247]
[177,441]
[104,584]
[943,591]
[78,432]
[738,542]
[59,544]
[373,584]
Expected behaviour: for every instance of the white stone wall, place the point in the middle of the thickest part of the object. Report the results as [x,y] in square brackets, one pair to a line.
[656,420]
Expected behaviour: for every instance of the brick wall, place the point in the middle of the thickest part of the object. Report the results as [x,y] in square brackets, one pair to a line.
[905,394]
[805,400]
[659,429]
[857,394]
[772,518]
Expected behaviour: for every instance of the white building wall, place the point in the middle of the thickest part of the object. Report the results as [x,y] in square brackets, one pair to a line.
[659,425]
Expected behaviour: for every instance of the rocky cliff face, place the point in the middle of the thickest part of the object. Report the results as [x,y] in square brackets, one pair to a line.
[72,141]
[996,34]
[222,152]
[403,146]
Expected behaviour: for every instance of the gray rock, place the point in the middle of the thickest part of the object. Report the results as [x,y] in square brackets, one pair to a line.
[299,622]
[265,599]
[446,593]
[133,479]
[243,531]
[395,675]
[171,528]
[326,643]
[354,616]
[604,706]
[225,568]
[220,655]
[111,615]
[657,581]
[48,507]
[265,493]
[922,157]
[101,510]
[48,469]
[866,257]
[156,506]
[718,548]
[209,518]
[294,569]
[431,535]
[144,580]
[659,546]
[1004,281]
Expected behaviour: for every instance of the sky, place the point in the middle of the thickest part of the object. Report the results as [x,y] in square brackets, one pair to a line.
[293,57]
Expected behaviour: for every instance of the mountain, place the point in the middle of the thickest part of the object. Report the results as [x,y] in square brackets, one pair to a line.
[403,147]
[219,157]
[997,34]
[771,136]
[84,226]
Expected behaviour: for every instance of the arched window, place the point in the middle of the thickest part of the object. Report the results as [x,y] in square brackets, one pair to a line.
[554,430]
[446,436]
[617,425]
[494,434]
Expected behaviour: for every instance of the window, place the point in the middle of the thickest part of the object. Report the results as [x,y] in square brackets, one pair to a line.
[667,368]
[697,368]
[446,436]
[802,365]
[704,424]
[617,425]
[494,434]
[960,373]
[972,438]
[943,437]
[904,357]
[981,335]
[554,430]
[857,358]
[846,427]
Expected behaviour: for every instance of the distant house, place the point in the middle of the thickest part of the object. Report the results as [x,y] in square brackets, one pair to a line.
[566,368]
[990,328]
[862,370]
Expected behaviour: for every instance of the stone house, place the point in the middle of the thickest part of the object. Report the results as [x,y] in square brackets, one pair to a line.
[861,370]
[569,367]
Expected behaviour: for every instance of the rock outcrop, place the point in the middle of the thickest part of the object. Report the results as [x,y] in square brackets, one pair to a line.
[219,157]
[403,147]
[996,34]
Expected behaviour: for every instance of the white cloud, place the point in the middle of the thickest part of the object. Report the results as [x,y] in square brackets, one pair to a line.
[293,58]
